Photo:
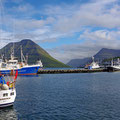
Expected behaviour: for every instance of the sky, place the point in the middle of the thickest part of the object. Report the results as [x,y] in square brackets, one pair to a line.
[66,29]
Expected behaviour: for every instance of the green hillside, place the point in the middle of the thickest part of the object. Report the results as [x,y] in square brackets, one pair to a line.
[102,56]
[34,51]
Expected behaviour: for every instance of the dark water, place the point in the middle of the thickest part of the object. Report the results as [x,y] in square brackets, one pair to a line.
[88,96]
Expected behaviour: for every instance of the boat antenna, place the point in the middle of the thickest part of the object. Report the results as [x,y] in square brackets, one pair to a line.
[22,56]
[112,62]
[26,58]
[93,58]
[12,52]
[13,49]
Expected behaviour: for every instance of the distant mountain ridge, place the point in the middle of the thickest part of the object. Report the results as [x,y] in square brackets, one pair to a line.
[78,62]
[104,53]
[34,51]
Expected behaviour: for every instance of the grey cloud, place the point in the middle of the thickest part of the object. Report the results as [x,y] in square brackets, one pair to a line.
[95,14]
[68,52]
[94,41]
[62,21]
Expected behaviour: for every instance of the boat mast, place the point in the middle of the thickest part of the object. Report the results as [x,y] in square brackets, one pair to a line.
[111,62]
[12,52]
[21,55]
[26,59]
[93,58]
[118,60]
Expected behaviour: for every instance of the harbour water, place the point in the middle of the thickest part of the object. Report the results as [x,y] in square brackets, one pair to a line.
[81,96]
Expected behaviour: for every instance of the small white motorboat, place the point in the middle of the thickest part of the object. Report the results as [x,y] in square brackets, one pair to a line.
[93,65]
[7,91]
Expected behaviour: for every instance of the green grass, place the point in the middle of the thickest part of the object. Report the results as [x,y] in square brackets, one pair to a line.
[35,53]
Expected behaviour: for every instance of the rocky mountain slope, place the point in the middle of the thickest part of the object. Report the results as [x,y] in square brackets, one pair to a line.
[34,51]
[103,54]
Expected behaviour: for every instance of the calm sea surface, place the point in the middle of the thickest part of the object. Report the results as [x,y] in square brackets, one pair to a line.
[88,96]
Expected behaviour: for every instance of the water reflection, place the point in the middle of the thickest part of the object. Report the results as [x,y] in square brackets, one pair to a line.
[8,113]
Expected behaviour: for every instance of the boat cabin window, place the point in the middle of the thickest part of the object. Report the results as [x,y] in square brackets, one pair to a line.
[12,62]
[15,66]
[5,94]
[0,60]
[3,65]
[12,93]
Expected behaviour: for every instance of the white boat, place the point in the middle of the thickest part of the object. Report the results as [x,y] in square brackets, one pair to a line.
[7,92]
[7,88]
[93,65]
[114,65]
[7,97]
[23,68]
[7,66]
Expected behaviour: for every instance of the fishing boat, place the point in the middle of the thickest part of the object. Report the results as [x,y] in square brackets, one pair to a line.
[7,91]
[93,65]
[115,66]
[7,67]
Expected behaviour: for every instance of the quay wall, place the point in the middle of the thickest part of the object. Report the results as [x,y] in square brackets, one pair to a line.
[70,71]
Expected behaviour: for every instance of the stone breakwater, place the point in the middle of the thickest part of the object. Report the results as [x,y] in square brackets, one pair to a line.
[70,71]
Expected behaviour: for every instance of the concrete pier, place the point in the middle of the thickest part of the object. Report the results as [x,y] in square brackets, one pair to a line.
[70,71]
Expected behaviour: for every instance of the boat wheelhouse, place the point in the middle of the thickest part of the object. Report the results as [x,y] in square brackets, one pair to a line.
[7,91]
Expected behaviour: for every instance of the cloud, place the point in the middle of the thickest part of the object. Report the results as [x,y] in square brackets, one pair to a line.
[14,1]
[5,38]
[102,14]
[75,51]
[25,8]
[69,19]
[94,14]
[93,42]
[102,38]
[97,23]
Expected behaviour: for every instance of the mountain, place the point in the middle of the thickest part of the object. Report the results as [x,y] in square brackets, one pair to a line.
[103,54]
[79,62]
[34,51]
